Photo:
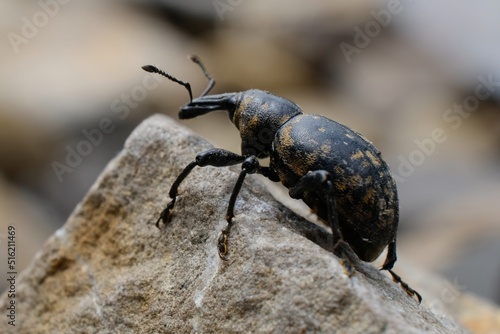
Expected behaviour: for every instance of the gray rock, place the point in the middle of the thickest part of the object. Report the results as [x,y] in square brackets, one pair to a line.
[110,270]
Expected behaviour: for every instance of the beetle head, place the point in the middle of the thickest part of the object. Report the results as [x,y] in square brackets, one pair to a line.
[257,114]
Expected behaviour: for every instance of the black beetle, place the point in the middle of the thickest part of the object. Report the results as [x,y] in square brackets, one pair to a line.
[337,172]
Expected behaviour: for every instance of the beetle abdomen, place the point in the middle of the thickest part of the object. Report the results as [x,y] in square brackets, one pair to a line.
[365,192]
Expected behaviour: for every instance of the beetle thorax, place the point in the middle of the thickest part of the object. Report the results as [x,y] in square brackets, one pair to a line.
[258,116]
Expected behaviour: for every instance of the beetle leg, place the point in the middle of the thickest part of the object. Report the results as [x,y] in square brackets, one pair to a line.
[165,214]
[213,157]
[313,181]
[391,256]
[389,263]
[249,166]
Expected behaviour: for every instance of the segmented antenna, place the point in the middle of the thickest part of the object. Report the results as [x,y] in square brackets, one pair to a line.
[154,69]
[211,81]
[195,59]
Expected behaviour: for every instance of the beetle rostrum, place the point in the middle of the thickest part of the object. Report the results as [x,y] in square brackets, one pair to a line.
[337,172]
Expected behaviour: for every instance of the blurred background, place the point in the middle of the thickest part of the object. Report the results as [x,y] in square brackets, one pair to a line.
[421,79]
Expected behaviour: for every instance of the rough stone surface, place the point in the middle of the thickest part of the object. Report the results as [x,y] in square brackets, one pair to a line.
[110,270]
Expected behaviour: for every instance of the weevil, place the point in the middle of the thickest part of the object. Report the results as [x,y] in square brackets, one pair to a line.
[336,171]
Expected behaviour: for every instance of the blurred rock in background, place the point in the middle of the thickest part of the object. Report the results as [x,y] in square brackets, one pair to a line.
[419,79]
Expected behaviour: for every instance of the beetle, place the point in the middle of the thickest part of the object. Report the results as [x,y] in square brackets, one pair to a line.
[336,171]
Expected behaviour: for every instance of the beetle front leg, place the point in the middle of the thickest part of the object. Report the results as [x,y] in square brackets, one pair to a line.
[321,179]
[214,157]
[249,166]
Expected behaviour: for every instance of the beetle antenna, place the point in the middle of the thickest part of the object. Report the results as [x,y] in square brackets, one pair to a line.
[154,69]
[211,81]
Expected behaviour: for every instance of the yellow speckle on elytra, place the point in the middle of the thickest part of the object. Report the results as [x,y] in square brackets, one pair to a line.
[370,196]
[254,121]
[325,150]
[286,138]
[358,155]
[374,159]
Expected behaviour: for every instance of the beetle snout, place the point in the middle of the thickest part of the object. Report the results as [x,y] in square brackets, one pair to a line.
[205,104]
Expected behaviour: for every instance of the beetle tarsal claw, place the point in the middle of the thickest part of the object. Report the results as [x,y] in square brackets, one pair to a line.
[222,244]
[412,293]
[342,250]
[166,215]
[346,256]
[158,223]
[349,270]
